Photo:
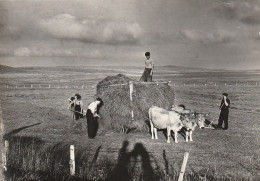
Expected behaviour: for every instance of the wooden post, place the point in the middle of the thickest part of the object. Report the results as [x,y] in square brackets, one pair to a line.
[7,86]
[256,84]
[205,85]
[236,83]
[183,167]
[72,160]
[66,86]
[31,86]
[194,84]
[215,84]
[225,84]
[131,88]
[5,154]
[49,86]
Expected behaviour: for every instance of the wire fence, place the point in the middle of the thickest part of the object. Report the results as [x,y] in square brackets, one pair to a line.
[173,84]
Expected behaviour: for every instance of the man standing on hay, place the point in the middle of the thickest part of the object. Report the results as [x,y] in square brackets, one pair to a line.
[148,71]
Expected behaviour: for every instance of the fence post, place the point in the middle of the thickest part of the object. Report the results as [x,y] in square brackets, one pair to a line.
[183,167]
[194,84]
[256,84]
[225,84]
[215,84]
[72,160]
[49,86]
[31,86]
[5,154]
[131,88]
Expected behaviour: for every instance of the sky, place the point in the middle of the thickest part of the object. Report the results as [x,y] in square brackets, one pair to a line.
[214,34]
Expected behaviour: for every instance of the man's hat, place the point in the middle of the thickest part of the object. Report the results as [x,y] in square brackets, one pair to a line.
[225,94]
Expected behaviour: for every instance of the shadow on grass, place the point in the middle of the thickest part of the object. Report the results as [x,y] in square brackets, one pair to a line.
[133,164]
[7,136]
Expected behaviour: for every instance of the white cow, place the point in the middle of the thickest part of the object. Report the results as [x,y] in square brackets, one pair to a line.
[163,119]
[190,120]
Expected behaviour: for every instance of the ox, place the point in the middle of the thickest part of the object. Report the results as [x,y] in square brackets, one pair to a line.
[190,120]
[163,119]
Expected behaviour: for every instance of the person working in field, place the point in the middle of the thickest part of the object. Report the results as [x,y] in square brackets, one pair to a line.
[92,117]
[78,104]
[224,107]
[71,106]
[148,71]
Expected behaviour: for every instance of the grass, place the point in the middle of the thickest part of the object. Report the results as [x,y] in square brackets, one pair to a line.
[31,159]
[40,129]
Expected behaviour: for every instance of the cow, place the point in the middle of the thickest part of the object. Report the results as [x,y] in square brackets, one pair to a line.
[164,119]
[193,118]
[189,124]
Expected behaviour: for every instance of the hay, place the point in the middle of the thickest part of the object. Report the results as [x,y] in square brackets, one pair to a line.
[117,108]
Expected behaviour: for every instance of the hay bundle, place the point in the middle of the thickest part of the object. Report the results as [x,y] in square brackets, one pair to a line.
[117,107]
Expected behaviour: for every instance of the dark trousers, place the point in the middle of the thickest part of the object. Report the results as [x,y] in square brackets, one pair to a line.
[92,124]
[146,77]
[223,117]
[77,114]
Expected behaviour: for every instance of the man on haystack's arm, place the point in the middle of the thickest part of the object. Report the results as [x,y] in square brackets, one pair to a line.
[148,71]
[224,107]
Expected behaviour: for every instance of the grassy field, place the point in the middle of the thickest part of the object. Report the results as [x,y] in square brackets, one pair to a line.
[40,128]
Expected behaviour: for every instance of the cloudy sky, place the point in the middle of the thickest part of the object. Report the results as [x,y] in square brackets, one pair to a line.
[221,34]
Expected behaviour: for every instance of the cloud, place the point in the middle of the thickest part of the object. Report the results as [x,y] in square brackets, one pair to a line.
[36,52]
[246,12]
[66,26]
[253,19]
[5,52]
[218,36]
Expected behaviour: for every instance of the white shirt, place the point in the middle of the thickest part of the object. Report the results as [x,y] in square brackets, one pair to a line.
[93,107]
[149,63]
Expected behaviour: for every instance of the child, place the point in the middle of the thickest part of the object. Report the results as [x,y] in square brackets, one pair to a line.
[148,71]
[71,106]
[78,104]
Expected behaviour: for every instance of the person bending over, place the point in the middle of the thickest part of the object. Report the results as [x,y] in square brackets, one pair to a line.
[92,117]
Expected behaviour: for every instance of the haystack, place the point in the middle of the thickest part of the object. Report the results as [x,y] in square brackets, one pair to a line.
[115,92]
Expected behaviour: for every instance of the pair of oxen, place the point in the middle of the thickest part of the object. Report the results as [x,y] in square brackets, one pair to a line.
[174,120]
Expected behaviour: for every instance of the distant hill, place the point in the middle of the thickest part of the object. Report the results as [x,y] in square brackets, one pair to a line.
[7,69]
